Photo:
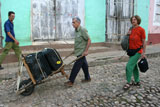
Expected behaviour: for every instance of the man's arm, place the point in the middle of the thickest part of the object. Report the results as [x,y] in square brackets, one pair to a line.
[10,35]
[87,47]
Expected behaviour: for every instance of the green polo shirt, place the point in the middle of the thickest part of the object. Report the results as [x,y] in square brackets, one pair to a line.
[81,40]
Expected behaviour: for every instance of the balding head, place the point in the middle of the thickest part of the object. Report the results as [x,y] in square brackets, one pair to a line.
[76,22]
[77,19]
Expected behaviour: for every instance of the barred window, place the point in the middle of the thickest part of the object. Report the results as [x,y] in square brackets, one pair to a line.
[157,13]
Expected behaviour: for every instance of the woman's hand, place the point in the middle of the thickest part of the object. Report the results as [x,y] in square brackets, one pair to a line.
[129,32]
[143,55]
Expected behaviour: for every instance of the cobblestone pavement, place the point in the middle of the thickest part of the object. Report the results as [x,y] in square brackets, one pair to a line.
[105,90]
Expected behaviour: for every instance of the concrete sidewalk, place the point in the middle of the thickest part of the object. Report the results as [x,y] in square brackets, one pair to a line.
[94,59]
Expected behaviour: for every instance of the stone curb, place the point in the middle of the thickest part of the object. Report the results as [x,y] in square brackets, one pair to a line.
[98,62]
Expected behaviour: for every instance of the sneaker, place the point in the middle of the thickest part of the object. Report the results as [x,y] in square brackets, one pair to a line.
[69,84]
[86,80]
[1,67]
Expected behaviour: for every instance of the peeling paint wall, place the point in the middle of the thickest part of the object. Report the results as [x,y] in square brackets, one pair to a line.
[52,19]
[42,19]
[153,29]
[118,15]
[1,41]
[22,19]
[95,19]
[143,11]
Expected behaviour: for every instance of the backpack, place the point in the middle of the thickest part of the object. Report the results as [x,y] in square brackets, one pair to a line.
[125,41]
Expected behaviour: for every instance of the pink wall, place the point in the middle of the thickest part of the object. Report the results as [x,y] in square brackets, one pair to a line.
[152,29]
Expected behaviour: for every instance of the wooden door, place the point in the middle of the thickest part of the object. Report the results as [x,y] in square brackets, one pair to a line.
[118,14]
[52,19]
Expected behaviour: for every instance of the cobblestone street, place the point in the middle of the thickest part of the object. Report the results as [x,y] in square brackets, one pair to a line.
[105,90]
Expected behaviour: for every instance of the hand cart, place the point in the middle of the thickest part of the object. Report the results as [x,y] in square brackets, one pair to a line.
[26,87]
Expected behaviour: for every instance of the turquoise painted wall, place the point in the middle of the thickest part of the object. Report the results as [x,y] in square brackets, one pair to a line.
[22,9]
[142,9]
[95,13]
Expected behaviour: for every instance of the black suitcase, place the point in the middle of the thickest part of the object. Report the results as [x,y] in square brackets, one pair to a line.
[33,65]
[44,65]
[53,58]
[38,66]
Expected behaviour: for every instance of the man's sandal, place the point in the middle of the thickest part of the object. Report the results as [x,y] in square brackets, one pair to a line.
[127,86]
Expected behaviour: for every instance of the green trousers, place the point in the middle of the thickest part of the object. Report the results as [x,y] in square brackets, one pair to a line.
[132,68]
[8,46]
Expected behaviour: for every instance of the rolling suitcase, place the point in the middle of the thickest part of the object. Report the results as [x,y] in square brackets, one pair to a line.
[53,58]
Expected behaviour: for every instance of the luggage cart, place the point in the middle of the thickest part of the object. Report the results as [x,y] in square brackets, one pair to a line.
[26,87]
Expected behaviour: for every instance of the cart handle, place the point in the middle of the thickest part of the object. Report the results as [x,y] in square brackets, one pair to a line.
[69,55]
[75,60]
[22,55]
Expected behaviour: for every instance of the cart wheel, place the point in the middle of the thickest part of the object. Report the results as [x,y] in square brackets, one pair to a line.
[28,90]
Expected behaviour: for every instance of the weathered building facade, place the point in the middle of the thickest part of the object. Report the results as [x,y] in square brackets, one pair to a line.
[50,20]
[0,28]
[118,14]
[154,22]
[22,22]
[43,20]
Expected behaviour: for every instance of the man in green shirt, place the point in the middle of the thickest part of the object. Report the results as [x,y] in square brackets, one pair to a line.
[81,46]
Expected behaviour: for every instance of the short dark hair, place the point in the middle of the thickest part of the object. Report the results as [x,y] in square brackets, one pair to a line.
[138,19]
[10,12]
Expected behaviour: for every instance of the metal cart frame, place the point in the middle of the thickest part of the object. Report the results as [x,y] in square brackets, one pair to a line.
[26,87]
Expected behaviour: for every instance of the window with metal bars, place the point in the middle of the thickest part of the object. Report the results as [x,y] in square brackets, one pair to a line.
[157,13]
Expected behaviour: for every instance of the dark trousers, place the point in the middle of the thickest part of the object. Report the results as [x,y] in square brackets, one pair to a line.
[81,63]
